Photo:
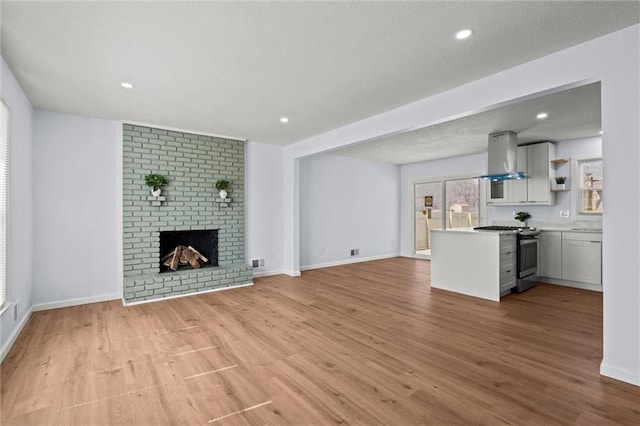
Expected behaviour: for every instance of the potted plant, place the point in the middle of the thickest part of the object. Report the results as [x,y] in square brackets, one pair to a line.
[522,217]
[222,185]
[155,182]
[560,182]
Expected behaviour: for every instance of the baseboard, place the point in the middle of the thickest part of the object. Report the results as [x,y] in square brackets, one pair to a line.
[259,274]
[621,374]
[348,261]
[75,302]
[14,335]
[291,273]
[140,302]
[574,284]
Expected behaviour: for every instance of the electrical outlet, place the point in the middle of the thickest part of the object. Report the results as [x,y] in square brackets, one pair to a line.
[261,262]
[15,312]
[255,263]
[355,252]
[564,213]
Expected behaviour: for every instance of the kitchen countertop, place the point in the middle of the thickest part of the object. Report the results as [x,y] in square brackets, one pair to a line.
[560,229]
[472,231]
[545,228]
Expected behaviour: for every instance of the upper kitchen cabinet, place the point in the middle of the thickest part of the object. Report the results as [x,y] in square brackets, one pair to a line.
[535,189]
[540,173]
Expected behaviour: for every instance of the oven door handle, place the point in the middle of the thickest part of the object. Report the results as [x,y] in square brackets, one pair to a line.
[528,241]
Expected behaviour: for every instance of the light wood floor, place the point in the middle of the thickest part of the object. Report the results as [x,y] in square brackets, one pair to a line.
[368,343]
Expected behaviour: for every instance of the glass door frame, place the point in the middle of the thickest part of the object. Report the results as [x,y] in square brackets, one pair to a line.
[482,191]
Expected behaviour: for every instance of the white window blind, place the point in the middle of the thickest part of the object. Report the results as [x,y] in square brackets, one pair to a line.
[4,172]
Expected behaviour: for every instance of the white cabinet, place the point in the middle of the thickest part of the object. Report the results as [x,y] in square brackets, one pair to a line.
[507,262]
[540,173]
[582,257]
[550,259]
[571,258]
[535,189]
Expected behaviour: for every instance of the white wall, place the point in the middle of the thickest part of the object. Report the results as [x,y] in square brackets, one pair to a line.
[19,219]
[347,204]
[77,176]
[264,206]
[613,59]
[565,149]
[468,165]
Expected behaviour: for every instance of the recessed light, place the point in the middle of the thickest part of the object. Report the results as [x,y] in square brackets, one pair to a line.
[542,116]
[126,85]
[284,120]
[461,35]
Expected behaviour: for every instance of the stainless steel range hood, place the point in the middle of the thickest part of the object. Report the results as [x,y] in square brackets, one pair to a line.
[502,157]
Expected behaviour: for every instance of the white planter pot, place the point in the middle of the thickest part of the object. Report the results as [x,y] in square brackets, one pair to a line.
[561,186]
[223,194]
[156,192]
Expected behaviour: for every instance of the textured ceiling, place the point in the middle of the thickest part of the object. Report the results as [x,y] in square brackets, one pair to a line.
[234,68]
[572,114]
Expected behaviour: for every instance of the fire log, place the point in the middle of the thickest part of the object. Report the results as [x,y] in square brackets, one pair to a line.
[197,253]
[176,258]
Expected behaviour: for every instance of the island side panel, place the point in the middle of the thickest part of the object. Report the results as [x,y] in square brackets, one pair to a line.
[467,263]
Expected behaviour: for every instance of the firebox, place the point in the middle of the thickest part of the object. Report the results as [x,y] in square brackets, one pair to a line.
[188,249]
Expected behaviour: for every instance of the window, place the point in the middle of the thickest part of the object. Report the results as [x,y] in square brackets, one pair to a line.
[444,203]
[588,188]
[4,172]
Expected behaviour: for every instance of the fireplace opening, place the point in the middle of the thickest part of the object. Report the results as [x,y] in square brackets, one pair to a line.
[188,250]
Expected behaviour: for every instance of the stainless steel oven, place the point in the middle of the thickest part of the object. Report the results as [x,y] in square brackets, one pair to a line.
[527,260]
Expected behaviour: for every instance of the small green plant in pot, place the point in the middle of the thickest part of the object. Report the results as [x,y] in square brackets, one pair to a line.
[560,182]
[155,182]
[522,217]
[222,185]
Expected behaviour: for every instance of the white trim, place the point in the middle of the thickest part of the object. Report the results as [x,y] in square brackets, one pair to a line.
[140,302]
[348,261]
[176,129]
[269,273]
[75,302]
[292,273]
[14,335]
[574,284]
[624,375]
[4,309]
[120,211]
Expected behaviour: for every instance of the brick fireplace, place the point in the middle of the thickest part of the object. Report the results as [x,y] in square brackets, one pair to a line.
[192,163]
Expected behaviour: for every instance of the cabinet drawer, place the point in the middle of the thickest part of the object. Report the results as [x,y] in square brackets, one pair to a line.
[507,244]
[507,285]
[507,276]
[507,262]
[582,236]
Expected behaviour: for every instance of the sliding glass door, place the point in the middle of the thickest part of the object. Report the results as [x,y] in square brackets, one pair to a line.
[463,202]
[444,204]
[428,214]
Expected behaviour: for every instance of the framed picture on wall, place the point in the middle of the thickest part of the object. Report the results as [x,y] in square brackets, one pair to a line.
[428,201]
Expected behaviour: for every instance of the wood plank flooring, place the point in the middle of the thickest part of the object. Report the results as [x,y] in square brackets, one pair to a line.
[367,343]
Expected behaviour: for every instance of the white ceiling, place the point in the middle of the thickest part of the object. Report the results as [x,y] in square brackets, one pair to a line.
[572,114]
[234,68]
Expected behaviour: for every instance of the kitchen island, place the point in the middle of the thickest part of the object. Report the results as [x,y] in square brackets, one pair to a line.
[476,263]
